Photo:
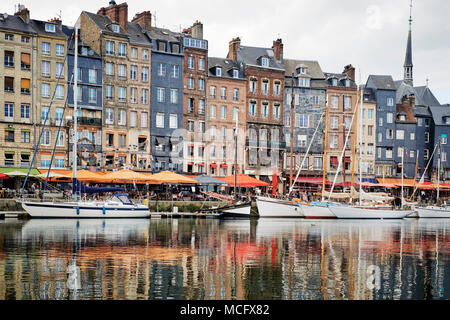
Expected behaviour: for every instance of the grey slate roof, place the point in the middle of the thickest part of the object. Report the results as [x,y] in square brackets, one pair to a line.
[439,113]
[340,77]
[227,65]
[408,55]
[137,35]
[104,23]
[15,23]
[164,34]
[423,94]
[250,56]
[383,82]
[313,68]
[422,111]
[369,94]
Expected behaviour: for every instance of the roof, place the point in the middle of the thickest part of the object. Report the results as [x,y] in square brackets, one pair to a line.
[423,94]
[164,34]
[251,55]
[381,82]
[369,94]
[439,113]
[406,110]
[69,31]
[226,64]
[16,23]
[340,77]
[104,24]
[408,55]
[422,111]
[312,68]
[137,35]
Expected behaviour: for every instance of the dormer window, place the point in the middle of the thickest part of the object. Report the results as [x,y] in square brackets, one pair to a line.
[303,82]
[235,73]
[218,72]
[116,28]
[265,62]
[347,83]
[334,82]
[302,70]
[447,120]
[402,117]
[50,27]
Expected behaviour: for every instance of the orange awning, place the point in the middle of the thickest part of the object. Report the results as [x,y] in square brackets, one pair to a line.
[244,181]
[170,177]
[397,182]
[124,176]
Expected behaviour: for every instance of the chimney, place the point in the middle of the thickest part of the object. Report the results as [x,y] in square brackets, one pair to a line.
[58,23]
[349,70]
[144,19]
[197,30]
[233,48]
[412,101]
[278,49]
[23,12]
[117,13]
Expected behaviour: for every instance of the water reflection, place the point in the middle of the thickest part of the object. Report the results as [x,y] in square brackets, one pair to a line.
[233,259]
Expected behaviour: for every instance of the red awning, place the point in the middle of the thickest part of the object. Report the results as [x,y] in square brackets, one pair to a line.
[201,164]
[313,180]
[224,165]
[213,165]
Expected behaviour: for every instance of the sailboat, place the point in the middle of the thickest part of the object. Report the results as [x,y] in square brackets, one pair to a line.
[364,211]
[120,206]
[435,211]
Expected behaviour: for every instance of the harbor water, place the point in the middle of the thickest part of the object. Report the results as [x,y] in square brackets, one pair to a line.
[211,259]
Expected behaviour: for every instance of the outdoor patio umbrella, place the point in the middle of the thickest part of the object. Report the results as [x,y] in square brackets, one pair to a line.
[245,181]
[170,177]
[124,176]
[3,176]
[52,175]
[18,174]
[205,180]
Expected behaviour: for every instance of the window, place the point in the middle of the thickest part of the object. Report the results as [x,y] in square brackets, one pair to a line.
[400,152]
[411,153]
[45,48]
[390,102]
[347,103]
[201,84]
[419,122]
[174,96]
[333,142]
[252,108]
[412,136]
[122,94]
[264,110]
[201,106]
[218,72]
[59,70]
[301,140]
[276,111]
[45,68]
[59,91]
[9,110]
[223,93]
[265,87]
[380,122]
[389,134]
[212,92]
[264,62]
[235,94]
[190,125]
[444,138]
[402,117]
[190,62]
[347,121]
[133,72]
[109,48]
[315,100]
[389,117]
[92,76]
[144,96]
[109,70]
[50,27]
[427,137]
[303,82]
[370,148]
[277,88]
[59,50]
[400,134]
[9,59]
[388,153]
[303,121]
[223,112]
[173,121]
[133,119]
[190,83]
[334,122]
[122,50]
[201,64]
[160,120]
[59,112]
[25,111]
[370,114]
[144,119]
[134,53]
[44,113]
[133,95]
[25,62]
[161,69]
[144,74]
[190,105]
[175,71]
[317,163]
[45,90]
[212,110]
[25,136]
[212,132]
[122,142]
[25,39]
[110,139]
[334,102]
[46,138]
[253,85]
[122,119]
[144,54]
[370,131]
[122,71]
[109,92]
[9,37]
[60,139]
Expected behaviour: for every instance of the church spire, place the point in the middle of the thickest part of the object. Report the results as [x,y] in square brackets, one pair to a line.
[408,66]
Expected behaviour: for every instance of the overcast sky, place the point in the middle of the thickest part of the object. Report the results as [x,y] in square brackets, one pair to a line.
[370,34]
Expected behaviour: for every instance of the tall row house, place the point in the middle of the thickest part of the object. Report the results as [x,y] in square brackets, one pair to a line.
[305,82]
[18,53]
[90,102]
[226,108]
[265,85]
[342,102]
[125,51]
[194,97]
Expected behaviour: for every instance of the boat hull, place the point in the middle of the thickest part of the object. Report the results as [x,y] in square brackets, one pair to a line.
[239,212]
[433,212]
[317,212]
[89,210]
[366,213]
[275,208]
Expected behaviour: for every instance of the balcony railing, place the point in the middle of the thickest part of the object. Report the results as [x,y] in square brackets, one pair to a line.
[90,121]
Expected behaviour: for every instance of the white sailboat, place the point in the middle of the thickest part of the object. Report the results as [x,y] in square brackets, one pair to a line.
[120,206]
[435,211]
[362,211]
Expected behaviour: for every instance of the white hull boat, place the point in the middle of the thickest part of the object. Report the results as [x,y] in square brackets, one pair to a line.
[119,207]
[434,212]
[276,208]
[368,213]
[317,211]
[238,210]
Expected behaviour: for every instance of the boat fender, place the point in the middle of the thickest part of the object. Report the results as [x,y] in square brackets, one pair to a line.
[78,211]
[104,210]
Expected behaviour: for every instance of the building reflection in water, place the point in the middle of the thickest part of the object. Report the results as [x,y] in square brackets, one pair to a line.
[233,259]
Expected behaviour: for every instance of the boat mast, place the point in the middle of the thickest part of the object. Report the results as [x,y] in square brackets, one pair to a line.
[75,114]
[325,152]
[292,133]
[235,156]
[439,169]
[403,165]
[360,144]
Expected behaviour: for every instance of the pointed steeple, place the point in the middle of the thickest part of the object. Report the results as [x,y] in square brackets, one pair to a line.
[408,66]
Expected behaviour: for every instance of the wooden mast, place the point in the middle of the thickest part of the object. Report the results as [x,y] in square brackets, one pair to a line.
[354,140]
[325,152]
[292,132]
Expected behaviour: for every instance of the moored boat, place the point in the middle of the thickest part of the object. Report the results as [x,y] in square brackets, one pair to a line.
[434,212]
[356,212]
[277,208]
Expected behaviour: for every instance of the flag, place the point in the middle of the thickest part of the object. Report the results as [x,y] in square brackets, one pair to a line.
[274,181]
